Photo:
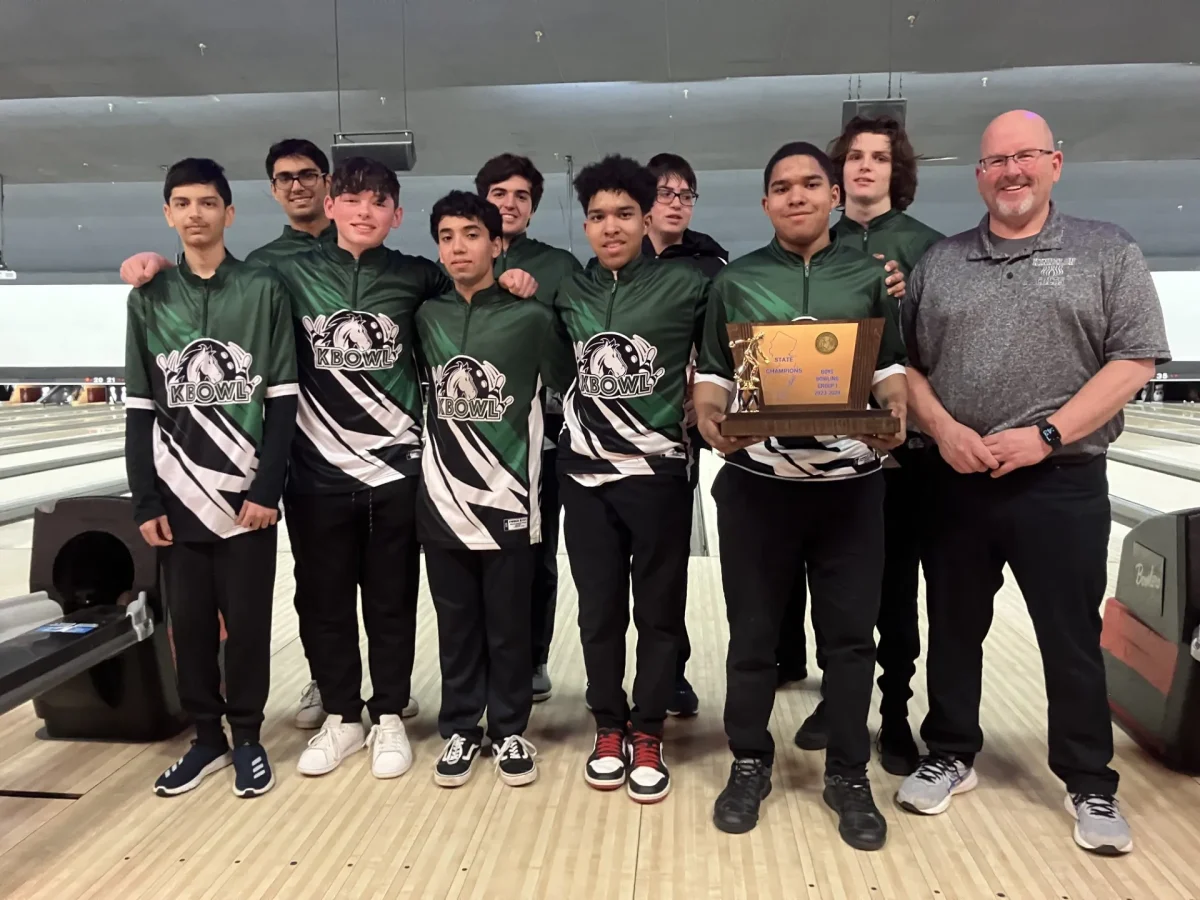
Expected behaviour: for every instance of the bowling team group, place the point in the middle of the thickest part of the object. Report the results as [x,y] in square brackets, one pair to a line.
[392,405]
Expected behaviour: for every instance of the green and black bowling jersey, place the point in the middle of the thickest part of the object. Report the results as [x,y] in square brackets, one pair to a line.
[550,267]
[894,235]
[359,420]
[288,244]
[487,361]
[204,355]
[632,333]
[774,285]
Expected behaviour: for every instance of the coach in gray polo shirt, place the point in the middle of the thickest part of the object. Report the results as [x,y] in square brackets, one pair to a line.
[1026,337]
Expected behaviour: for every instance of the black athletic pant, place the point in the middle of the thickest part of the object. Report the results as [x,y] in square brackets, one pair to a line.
[235,577]
[303,603]
[1050,523]
[767,526]
[545,554]
[635,531]
[685,643]
[791,653]
[342,542]
[482,602]
[905,509]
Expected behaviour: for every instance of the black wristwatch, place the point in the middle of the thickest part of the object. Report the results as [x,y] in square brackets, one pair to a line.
[1049,434]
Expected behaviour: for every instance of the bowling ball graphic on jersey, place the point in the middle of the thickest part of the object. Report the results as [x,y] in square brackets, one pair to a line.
[470,391]
[354,340]
[208,372]
[613,365]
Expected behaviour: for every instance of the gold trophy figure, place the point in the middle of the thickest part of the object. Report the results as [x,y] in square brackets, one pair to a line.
[747,374]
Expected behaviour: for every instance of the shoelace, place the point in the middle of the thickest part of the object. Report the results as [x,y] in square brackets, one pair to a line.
[1101,806]
[455,748]
[515,747]
[387,739]
[936,768]
[610,743]
[323,739]
[310,696]
[745,771]
[744,778]
[856,794]
[647,751]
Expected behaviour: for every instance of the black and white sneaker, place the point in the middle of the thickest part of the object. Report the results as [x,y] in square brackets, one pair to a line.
[458,758]
[514,760]
[648,781]
[252,775]
[192,768]
[606,767]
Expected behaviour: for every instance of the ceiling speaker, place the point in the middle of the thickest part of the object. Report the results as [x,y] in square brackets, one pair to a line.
[874,109]
[395,149]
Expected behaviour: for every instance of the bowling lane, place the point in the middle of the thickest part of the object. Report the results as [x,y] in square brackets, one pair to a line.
[18,495]
[1163,448]
[71,434]
[30,461]
[1153,489]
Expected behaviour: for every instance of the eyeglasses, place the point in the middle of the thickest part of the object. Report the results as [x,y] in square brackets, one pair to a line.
[1023,158]
[666,196]
[307,178]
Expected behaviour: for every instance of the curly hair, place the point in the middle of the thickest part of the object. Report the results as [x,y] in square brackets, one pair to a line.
[904,158]
[617,174]
[508,165]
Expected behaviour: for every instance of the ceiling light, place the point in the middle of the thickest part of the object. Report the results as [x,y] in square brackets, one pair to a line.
[216,99]
[202,47]
[538,36]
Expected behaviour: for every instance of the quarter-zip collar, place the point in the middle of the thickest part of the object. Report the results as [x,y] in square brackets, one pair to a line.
[1049,238]
[218,277]
[631,270]
[295,234]
[850,226]
[373,256]
[493,294]
[795,259]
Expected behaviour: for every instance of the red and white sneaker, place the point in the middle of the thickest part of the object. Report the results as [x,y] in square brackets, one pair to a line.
[649,780]
[606,767]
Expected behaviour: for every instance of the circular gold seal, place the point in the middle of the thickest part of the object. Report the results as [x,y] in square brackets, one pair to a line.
[826,342]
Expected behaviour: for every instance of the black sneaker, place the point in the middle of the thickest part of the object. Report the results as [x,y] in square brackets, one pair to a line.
[814,733]
[192,768]
[514,760]
[736,809]
[785,676]
[860,823]
[649,780]
[897,750]
[455,764]
[607,766]
[685,703]
[252,775]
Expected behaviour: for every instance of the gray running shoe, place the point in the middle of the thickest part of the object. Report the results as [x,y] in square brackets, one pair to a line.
[928,790]
[542,688]
[1099,825]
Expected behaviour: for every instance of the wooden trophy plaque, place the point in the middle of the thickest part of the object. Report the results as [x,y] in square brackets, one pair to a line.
[801,379]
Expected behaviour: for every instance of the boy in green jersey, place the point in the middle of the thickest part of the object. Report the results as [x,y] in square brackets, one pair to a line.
[624,459]
[486,354]
[210,369]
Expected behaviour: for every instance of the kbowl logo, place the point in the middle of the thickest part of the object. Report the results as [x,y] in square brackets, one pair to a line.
[470,391]
[612,365]
[353,340]
[208,372]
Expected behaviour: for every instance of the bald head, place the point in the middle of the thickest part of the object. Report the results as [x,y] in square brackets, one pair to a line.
[1016,130]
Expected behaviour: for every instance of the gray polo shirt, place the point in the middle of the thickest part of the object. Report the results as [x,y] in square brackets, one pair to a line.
[1006,340]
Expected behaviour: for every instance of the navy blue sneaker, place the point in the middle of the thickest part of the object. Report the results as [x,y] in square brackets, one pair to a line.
[192,768]
[252,775]
[684,703]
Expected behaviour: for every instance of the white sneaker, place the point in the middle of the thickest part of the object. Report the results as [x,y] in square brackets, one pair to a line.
[391,754]
[411,709]
[334,742]
[311,714]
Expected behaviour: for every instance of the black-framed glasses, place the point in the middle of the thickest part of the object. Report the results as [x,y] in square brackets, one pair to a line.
[666,196]
[1023,158]
[307,178]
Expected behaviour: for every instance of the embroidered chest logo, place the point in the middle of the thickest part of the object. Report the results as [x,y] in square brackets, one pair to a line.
[470,391]
[354,340]
[208,372]
[1052,271]
[612,365]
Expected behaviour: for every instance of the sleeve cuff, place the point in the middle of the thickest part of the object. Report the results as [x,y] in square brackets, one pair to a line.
[1159,356]
[139,403]
[886,372]
[719,381]
[291,389]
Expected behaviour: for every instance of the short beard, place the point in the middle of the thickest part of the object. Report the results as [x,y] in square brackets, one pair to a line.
[1017,210]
